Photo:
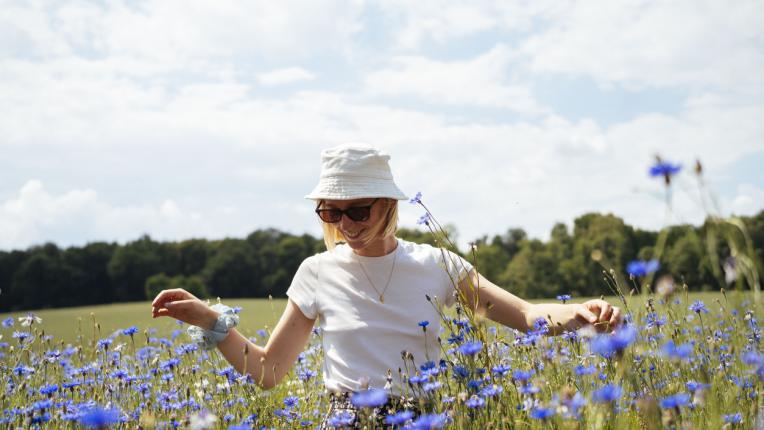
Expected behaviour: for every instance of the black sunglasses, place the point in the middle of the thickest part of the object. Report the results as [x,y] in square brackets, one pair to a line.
[355,213]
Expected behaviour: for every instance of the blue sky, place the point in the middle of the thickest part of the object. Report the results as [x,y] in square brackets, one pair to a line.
[206,119]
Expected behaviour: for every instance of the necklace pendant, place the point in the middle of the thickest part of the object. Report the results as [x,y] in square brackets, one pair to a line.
[381,298]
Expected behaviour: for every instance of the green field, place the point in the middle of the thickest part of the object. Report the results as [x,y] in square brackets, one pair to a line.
[67,323]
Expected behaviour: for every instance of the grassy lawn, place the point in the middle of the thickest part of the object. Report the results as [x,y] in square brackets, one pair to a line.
[65,324]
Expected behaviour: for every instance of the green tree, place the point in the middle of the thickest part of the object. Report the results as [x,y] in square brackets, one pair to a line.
[531,274]
[232,270]
[193,284]
[132,264]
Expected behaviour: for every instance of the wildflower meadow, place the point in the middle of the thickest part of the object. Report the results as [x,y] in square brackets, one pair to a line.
[679,360]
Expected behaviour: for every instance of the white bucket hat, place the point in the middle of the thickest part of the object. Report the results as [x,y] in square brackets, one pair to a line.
[355,172]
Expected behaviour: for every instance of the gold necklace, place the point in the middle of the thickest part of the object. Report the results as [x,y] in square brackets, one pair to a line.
[389,277]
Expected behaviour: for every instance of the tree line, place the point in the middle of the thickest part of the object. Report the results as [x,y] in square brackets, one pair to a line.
[263,263]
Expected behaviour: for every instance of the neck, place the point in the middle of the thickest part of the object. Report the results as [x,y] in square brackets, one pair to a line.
[379,247]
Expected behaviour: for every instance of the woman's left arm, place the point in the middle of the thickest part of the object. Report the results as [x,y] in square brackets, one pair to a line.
[505,308]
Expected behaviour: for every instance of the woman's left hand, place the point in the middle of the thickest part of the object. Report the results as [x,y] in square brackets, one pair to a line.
[607,316]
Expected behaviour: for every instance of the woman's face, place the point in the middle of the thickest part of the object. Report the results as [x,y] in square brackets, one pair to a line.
[354,230]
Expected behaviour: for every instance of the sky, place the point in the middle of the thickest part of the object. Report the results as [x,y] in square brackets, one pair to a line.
[194,119]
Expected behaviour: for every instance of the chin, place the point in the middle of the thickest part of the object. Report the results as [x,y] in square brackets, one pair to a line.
[355,244]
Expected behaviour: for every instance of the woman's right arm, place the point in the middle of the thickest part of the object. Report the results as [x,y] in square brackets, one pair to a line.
[267,365]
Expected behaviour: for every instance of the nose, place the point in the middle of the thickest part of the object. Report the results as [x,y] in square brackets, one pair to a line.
[345,222]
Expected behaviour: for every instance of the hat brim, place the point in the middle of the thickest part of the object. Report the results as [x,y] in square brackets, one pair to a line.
[350,188]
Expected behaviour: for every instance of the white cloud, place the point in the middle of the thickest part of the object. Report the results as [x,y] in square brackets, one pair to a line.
[748,200]
[35,215]
[179,34]
[285,76]
[171,133]
[481,81]
[680,43]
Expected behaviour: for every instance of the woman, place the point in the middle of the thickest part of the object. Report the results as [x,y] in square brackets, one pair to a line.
[370,292]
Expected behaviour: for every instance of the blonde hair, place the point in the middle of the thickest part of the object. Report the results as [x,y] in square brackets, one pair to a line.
[387,226]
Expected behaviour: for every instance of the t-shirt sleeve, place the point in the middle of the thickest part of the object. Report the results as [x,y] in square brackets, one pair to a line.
[302,291]
[457,268]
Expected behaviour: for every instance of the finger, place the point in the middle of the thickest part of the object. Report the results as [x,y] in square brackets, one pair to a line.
[605,312]
[587,315]
[171,294]
[162,312]
[615,318]
[179,304]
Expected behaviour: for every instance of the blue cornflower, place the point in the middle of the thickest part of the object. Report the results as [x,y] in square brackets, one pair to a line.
[431,386]
[501,369]
[241,426]
[130,331]
[736,418]
[682,352]
[665,169]
[236,309]
[541,413]
[104,343]
[306,374]
[491,390]
[371,398]
[427,365]
[48,389]
[20,335]
[424,324]
[522,375]
[607,345]
[529,390]
[419,379]
[461,371]
[429,422]
[43,418]
[471,348]
[342,419]
[169,364]
[475,402]
[22,370]
[642,268]
[652,319]
[693,386]
[475,384]
[399,418]
[580,370]
[698,306]
[563,297]
[8,322]
[752,358]
[42,404]
[291,401]
[455,338]
[606,394]
[424,219]
[675,401]
[416,199]
[99,418]
[71,384]
[262,333]
[570,336]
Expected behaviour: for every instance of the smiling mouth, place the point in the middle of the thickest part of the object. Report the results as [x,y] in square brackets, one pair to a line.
[354,235]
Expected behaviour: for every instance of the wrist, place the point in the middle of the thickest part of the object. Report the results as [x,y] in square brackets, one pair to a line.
[210,319]
[219,321]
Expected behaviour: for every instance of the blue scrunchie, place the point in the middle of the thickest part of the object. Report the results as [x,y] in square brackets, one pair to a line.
[208,339]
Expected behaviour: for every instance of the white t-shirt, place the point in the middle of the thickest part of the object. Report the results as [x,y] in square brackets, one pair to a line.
[363,338]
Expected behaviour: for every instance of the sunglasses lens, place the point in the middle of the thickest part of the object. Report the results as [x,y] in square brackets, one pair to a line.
[330,216]
[358,214]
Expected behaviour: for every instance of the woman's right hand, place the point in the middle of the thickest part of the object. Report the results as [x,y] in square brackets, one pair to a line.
[184,306]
